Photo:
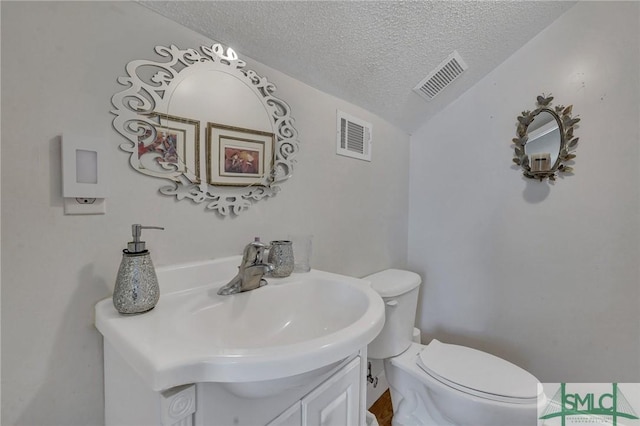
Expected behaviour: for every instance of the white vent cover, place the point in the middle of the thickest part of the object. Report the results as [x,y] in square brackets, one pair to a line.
[354,137]
[441,77]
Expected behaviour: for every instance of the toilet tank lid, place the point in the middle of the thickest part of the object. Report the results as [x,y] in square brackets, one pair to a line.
[393,282]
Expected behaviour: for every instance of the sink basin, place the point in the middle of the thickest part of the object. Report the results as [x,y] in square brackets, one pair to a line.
[304,309]
[278,335]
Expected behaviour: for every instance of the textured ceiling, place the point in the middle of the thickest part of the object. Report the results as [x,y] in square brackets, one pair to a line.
[370,53]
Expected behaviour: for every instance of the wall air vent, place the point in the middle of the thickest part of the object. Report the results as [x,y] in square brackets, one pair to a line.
[354,137]
[441,77]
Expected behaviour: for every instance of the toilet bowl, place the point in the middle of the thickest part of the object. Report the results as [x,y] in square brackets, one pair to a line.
[441,384]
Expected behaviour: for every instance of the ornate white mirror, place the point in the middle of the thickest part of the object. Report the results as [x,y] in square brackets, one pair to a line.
[208,125]
[545,140]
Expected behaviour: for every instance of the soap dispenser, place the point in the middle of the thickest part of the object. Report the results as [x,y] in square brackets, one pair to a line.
[137,288]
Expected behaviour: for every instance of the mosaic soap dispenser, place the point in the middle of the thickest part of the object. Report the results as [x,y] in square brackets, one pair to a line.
[137,288]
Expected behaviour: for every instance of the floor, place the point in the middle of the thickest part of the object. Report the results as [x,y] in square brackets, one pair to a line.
[382,409]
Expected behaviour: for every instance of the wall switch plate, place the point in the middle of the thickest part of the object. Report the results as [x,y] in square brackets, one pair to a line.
[74,206]
[84,167]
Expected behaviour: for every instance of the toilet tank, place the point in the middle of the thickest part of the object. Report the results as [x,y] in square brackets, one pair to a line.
[399,290]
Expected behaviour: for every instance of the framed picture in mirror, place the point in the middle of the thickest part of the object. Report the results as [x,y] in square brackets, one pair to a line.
[237,156]
[171,143]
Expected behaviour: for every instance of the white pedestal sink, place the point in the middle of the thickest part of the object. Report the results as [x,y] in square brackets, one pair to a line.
[255,344]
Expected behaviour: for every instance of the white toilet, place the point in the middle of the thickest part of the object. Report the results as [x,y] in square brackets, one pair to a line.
[439,384]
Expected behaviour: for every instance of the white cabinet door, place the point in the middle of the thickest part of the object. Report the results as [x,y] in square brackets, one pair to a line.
[337,401]
[292,416]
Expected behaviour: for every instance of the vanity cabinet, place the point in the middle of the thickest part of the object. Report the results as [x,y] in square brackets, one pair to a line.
[334,402]
[335,398]
[202,359]
[291,416]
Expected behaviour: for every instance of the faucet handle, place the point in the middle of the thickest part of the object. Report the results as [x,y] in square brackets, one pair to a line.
[258,244]
[253,252]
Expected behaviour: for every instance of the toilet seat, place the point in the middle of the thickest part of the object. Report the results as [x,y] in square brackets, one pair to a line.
[478,373]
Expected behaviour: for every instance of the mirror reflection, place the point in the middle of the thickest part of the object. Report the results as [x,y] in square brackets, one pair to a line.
[544,140]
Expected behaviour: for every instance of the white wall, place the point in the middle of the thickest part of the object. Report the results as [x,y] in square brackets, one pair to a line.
[544,275]
[60,61]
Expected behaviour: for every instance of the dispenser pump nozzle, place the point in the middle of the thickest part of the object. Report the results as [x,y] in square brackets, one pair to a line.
[137,246]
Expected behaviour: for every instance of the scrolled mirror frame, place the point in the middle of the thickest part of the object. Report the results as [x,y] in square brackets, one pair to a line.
[568,142]
[135,106]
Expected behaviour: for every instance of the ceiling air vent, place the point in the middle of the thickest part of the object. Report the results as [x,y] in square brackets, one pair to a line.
[441,77]
[354,137]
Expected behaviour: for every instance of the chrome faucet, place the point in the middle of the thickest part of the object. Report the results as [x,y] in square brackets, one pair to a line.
[251,270]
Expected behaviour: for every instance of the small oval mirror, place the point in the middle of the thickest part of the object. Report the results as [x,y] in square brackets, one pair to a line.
[544,140]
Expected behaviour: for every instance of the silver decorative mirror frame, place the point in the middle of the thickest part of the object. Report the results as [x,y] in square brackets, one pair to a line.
[141,108]
[566,144]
